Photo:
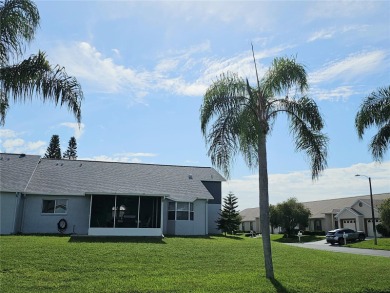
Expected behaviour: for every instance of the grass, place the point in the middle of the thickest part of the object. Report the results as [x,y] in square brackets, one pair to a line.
[204,264]
[383,244]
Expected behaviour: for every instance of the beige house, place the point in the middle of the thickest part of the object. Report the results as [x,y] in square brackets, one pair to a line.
[348,212]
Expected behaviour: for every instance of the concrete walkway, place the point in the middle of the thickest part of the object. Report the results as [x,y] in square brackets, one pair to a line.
[322,245]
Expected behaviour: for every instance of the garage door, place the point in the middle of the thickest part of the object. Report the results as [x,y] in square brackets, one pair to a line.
[370,231]
[350,224]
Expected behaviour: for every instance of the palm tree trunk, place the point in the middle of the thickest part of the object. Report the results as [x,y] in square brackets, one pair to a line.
[264,205]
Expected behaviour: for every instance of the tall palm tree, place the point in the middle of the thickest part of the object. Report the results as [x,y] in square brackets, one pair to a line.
[242,116]
[375,111]
[33,76]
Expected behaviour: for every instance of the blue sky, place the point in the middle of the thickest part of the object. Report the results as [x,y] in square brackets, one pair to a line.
[145,65]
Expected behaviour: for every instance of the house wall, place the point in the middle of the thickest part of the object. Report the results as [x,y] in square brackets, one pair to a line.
[365,210]
[77,216]
[214,205]
[199,226]
[213,215]
[8,210]
[328,223]
[215,189]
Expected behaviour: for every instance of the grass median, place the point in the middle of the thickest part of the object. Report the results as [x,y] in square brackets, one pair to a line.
[180,264]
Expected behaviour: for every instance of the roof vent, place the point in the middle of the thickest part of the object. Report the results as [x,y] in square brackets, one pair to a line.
[80,165]
[189,176]
[22,155]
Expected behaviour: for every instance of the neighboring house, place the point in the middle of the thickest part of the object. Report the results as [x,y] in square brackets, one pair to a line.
[106,198]
[348,212]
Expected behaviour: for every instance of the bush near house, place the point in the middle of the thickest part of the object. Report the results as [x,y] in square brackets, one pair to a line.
[383,230]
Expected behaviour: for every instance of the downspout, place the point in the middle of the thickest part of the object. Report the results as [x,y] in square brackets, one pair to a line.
[22,217]
[90,213]
[162,215]
[206,229]
[17,195]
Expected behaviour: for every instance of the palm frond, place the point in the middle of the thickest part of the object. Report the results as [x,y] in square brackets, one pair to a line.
[380,142]
[19,20]
[284,75]
[3,107]
[375,110]
[306,125]
[34,77]
[222,107]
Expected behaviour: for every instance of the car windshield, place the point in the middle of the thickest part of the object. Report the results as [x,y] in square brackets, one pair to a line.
[331,233]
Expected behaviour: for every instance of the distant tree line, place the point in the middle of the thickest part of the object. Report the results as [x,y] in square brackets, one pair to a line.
[54,150]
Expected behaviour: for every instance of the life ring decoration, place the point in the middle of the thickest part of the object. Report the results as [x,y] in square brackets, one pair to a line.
[62,225]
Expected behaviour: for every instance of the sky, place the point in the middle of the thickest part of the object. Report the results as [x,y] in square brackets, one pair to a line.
[144,67]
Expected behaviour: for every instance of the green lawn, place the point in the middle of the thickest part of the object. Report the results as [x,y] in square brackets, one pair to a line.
[383,244]
[212,264]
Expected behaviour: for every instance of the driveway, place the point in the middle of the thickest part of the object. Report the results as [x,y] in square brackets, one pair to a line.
[322,245]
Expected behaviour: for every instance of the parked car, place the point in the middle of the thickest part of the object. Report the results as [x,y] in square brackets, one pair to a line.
[337,236]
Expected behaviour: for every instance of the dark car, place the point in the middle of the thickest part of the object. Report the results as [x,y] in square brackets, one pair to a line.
[337,236]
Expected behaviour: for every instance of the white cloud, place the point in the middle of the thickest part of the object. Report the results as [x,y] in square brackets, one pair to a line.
[322,34]
[333,183]
[121,157]
[7,133]
[10,144]
[350,68]
[136,155]
[102,74]
[20,146]
[78,128]
[336,94]
[331,32]
[14,144]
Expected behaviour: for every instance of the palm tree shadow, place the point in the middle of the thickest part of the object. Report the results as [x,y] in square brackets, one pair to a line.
[278,286]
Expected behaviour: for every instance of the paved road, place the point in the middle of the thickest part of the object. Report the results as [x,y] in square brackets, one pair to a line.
[322,245]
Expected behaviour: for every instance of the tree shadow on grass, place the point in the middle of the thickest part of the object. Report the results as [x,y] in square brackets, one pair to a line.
[278,286]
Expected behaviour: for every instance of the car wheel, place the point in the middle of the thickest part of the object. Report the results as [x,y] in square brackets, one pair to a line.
[341,242]
[332,243]
[362,237]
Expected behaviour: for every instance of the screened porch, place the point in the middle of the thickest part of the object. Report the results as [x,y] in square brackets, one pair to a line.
[125,215]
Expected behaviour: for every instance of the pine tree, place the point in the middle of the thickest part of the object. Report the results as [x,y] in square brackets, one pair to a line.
[230,218]
[53,150]
[71,152]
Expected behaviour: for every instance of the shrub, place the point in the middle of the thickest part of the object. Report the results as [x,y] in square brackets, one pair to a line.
[382,229]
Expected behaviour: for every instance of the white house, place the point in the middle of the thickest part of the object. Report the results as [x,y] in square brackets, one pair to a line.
[40,195]
[348,212]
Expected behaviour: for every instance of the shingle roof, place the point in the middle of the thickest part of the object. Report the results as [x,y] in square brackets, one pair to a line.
[249,214]
[16,171]
[78,177]
[320,207]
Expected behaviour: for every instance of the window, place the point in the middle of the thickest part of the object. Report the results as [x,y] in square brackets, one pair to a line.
[57,206]
[181,211]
